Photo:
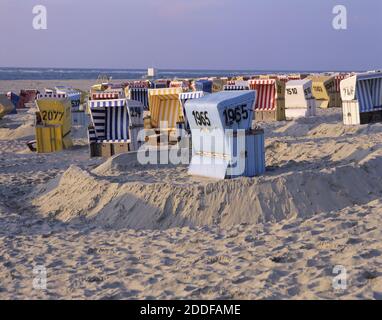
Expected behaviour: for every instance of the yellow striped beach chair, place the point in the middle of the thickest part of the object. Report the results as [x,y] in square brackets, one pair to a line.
[165,108]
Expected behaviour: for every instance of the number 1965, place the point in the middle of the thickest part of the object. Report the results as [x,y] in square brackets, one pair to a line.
[233,115]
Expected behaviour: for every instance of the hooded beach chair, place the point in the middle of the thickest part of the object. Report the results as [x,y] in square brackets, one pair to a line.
[138,91]
[323,90]
[53,123]
[27,96]
[165,108]
[203,85]
[299,101]
[218,84]
[115,125]
[362,98]
[15,99]
[161,83]
[224,145]
[73,95]
[270,102]
[6,106]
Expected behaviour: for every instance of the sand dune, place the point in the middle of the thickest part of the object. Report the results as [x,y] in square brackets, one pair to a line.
[129,201]
[118,230]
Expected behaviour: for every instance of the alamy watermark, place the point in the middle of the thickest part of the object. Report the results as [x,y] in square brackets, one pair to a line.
[340,20]
[40,279]
[340,279]
[40,19]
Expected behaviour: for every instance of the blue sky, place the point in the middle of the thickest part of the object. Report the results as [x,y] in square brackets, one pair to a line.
[192,34]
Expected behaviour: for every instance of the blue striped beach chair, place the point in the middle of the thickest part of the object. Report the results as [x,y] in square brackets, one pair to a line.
[115,121]
[362,98]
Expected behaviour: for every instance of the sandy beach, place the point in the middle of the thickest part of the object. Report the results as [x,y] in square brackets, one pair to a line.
[112,229]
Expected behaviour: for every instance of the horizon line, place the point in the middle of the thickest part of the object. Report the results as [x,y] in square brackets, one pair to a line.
[188,69]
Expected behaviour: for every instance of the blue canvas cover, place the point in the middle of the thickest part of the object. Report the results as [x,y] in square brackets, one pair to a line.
[203,85]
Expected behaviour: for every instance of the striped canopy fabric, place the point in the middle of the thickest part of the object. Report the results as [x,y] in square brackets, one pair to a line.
[180,84]
[107,103]
[165,107]
[376,92]
[51,95]
[92,136]
[369,94]
[183,97]
[161,84]
[110,120]
[117,124]
[283,78]
[294,77]
[139,94]
[103,95]
[98,117]
[338,78]
[228,87]
[266,93]
[138,84]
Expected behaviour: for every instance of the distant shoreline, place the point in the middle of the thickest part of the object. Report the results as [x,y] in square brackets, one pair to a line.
[17,85]
[59,74]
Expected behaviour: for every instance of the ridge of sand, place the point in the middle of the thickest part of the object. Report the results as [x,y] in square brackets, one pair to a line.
[126,202]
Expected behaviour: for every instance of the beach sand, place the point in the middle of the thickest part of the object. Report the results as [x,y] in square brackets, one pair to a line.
[112,229]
